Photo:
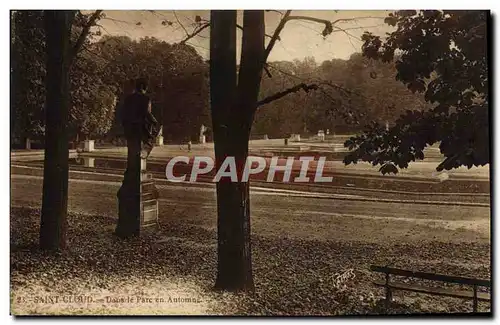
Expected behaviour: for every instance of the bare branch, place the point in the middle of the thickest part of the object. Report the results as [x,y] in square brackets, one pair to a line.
[266,69]
[194,33]
[104,28]
[85,32]
[341,89]
[328,24]
[314,19]
[118,21]
[270,10]
[326,31]
[276,34]
[179,22]
[343,20]
[337,87]
[361,27]
[346,32]
[349,35]
[338,29]
[241,27]
[198,46]
[285,92]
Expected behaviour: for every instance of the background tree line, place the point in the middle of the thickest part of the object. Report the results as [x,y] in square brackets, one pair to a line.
[179,86]
[369,92]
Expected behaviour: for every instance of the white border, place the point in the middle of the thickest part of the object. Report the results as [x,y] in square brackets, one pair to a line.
[255,4]
[190,4]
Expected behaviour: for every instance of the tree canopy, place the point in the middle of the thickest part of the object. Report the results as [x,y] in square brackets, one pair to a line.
[443,55]
[29,73]
[104,67]
[177,74]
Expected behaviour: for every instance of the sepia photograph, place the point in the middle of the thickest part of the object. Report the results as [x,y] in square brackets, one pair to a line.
[250,162]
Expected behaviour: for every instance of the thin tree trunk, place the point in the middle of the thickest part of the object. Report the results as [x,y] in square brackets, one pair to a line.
[55,176]
[232,119]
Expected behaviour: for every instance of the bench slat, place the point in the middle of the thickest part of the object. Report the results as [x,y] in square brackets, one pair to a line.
[431,276]
[434,291]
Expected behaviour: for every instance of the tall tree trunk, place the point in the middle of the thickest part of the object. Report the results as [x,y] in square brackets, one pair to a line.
[232,119]
[13,77]
[55,175]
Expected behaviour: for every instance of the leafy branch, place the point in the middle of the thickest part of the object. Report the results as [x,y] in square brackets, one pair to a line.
[303,86]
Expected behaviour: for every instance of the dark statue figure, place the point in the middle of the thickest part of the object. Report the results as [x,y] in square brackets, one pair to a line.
[140,129]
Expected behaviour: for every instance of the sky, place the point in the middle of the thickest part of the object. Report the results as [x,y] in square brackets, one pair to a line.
[299,39]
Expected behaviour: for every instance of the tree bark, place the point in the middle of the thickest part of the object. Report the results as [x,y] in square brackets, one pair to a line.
[234,267]
[55,175]
[13,77]
[232,118]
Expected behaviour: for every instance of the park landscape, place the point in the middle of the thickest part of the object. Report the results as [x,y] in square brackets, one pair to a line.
[407,147]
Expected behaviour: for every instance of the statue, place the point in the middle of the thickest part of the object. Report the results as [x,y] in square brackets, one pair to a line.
[140,128]
[150,133]
[203,129]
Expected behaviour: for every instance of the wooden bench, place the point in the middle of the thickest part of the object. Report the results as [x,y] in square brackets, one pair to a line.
[391,285]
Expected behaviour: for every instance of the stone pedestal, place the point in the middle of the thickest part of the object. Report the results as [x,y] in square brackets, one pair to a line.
[149,201]
[137,203]
[88,162]
[321,135]
[203,139]
[88,145]
[266,137]
[159,141]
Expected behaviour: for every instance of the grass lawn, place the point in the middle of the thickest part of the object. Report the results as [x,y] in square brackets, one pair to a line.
[172,271]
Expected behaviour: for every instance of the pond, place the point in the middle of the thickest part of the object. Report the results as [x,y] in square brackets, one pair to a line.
[107,163]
